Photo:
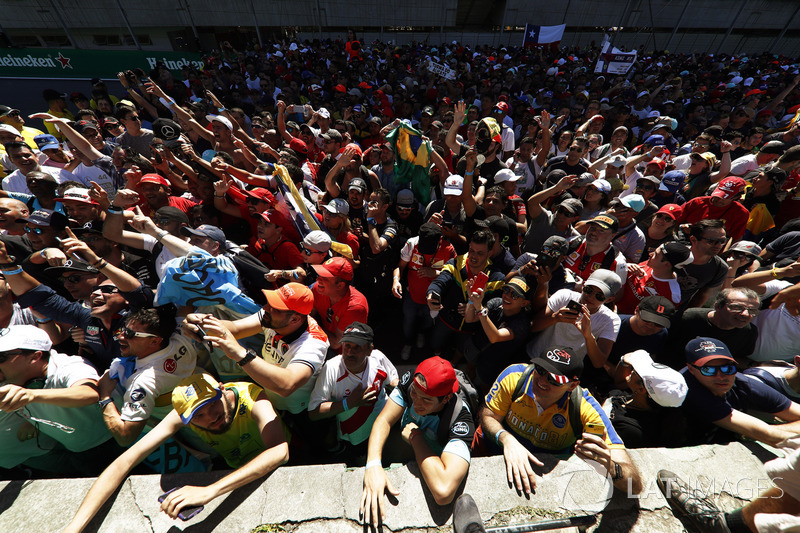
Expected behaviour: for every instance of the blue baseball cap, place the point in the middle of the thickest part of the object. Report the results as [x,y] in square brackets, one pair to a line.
[672,181]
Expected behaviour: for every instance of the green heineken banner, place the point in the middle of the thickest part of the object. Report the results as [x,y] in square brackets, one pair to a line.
[86,64]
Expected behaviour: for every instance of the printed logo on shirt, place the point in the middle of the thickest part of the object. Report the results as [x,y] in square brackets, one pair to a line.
[93,330]
[559,421]
[170,365]
[460,428]
[138,394]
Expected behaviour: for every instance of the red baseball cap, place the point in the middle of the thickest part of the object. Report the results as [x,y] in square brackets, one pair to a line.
[298,145]
[660,163]
[153,178]
[669,210]
[291,297]
[355,147]
[264,215]
[261,193]
[730,187]
[340,88]
[440,378]
[335,267]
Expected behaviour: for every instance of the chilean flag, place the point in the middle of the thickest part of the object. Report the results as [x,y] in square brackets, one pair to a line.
[542,35]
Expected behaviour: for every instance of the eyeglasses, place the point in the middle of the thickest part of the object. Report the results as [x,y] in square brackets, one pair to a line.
[710,371]
[105,289]
[714,241]
[128,333]
[404,209]
[309,251]
[134,118]
[742,255]
[163,221]
[598,295]
[548,376]
[37,231]
[74,278]
[739,308]
[646,186]
[565,212]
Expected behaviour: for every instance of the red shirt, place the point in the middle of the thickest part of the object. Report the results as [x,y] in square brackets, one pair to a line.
[417,284]
[637,289]
[734,215]
[584,266]
[351,308]
[283,255]
[173,201]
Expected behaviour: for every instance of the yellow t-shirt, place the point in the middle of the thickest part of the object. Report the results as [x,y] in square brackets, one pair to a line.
[549,430]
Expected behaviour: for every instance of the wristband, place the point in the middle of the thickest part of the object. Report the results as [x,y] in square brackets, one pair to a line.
[344,404]
[221,109]
[774,273]
[166,103]
[470,173]
[18,270]
[371,221]
[295,275]
[370,464]
[221,197]
[43,321]
[100,265]
[114,210]
[497,436]
[161,235]
[43,255]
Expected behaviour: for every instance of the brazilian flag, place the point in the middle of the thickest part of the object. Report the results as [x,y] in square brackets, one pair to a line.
[412,159]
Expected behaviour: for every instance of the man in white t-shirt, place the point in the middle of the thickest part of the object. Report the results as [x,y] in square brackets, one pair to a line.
[57,395]
[25,160]
[580,320]
[138,385]
[351,388]
[767,154]
[294,345]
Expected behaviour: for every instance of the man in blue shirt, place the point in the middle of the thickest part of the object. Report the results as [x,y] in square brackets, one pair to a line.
[719,398]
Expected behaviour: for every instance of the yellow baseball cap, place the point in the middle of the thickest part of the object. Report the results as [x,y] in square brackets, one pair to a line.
[194,392]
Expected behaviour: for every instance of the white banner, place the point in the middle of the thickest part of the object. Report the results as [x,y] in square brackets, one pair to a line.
[441,70]
[614,61]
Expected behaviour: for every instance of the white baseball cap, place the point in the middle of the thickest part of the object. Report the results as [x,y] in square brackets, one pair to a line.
[24,337]
[222,120]
[505,174]
[454,185]
[666,386]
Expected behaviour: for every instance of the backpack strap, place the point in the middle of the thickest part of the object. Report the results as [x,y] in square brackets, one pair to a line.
[609,258]
[443,431]
[574,410]
[523,379]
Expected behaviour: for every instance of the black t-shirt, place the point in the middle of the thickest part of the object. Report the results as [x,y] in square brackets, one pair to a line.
[493,358]
[693,278]
[695,323]
[787,245]
[638,428]
[560,162]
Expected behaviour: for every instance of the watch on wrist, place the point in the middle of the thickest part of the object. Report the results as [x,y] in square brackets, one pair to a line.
[484,312]
[103,403]
[617,472]
[247,358]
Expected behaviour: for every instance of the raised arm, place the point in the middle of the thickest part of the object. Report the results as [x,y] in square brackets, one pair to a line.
[535,201]
[458,117]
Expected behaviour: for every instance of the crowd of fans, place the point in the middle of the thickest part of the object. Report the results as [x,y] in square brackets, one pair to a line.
[578,262]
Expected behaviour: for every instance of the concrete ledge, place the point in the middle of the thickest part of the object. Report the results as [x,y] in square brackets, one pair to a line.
[322,499]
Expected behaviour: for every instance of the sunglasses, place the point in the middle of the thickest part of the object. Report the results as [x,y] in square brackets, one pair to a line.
[105,289]
[739,308]
[257,126]
[646,186]
[714,241]
[37,231]
[73,278]
[309,251]
[548,376]
[163,221]
[128,333]
[598,295]
[710,371]
[514,295]
[255,201]
[574,149]
[664,217]
[134,118]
